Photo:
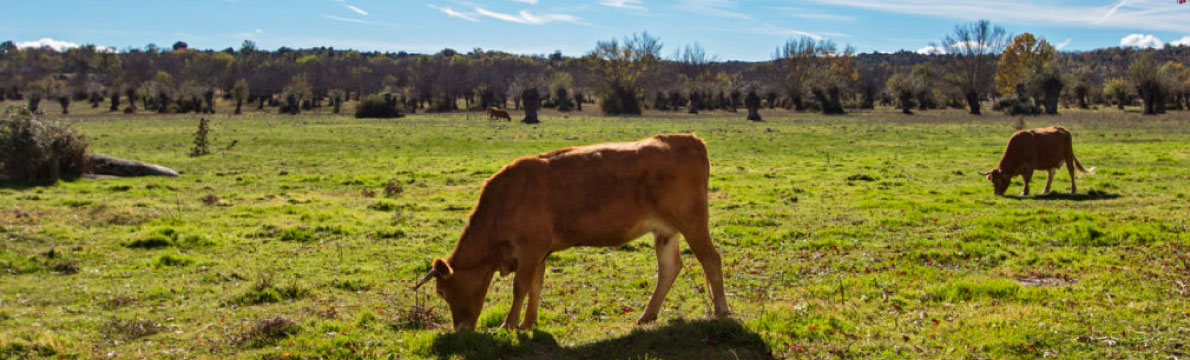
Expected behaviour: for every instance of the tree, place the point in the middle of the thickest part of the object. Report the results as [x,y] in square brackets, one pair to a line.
[1146,77]
[905,87]
[795,59]
[1045,80]
[619,68]
[973,47]
[693,61]
[1117,88]
[752,102]
[1025,54]
[295,91]
[532,99]
[240,93]
[833,74]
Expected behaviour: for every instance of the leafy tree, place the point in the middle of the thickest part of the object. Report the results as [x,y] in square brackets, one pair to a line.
[905,87]
[1117,88]
[619,69]
[240,93]
[1024,54]
[1045,80]
[1146,77]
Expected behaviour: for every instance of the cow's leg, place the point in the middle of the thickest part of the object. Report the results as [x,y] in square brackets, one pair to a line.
[1070,169]
[669,264]
[520,287]
[1027,176]
[534,297]
[1049,179]
[699,238]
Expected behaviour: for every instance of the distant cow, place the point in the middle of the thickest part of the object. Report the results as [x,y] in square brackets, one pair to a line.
[598,195]
[498,113]
[1037,149]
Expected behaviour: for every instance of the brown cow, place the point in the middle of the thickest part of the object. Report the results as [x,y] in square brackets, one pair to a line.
[1037,149]
[498,113]
[596,195]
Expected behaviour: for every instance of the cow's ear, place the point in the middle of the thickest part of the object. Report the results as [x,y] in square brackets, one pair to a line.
[441,269]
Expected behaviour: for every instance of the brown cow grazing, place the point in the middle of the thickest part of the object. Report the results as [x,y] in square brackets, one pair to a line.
[498,113]
[1037,149]
[596,195]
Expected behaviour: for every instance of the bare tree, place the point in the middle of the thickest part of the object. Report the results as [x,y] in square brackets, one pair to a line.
[974,47]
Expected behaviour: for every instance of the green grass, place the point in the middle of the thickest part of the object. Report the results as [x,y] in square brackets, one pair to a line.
[869,235]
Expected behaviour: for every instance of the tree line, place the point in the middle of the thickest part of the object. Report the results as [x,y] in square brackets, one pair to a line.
[976,63]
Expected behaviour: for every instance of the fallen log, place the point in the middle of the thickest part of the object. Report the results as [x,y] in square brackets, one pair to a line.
[110,166]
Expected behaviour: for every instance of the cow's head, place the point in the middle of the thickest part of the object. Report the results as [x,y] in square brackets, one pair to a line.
[999,179]
[463,289]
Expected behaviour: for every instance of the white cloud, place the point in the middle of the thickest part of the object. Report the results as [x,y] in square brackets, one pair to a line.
[715,8]
[1128,14]
[524,17]
[624,4]
[1141,40]
[455,14]
[258,31]
[533,2]
[1184,41]
[1063,45]
[931,50]
[56,45]
[355,9]
[343,19]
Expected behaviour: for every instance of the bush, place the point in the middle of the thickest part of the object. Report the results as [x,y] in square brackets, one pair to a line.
[1017,106]
[378,107]
[36,151]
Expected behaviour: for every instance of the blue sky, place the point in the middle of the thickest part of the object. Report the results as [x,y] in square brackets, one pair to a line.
[731,29]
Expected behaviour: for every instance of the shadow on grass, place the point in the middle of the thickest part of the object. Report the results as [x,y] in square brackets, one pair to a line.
[702,339]
[1090,195]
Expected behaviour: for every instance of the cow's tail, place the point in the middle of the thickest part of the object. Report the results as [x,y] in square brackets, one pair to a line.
[1079,166]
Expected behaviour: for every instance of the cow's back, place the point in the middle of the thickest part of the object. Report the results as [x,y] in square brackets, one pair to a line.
[599,195]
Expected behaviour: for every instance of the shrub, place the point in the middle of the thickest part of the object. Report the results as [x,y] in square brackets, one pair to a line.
[173,260]
[266,332]
[378,107]
[1017,106]
[36,151]
[202,146]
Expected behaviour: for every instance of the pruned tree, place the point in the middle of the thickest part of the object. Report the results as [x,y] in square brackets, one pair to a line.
[1117,88]
[973,47]
[532,99]
[752,102]
[619,69]
[240,93]
[905,87]
[1045,80]
[1146,77]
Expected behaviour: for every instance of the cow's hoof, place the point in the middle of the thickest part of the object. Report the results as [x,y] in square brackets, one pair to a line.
[646,319]
[508,326]
[526,326]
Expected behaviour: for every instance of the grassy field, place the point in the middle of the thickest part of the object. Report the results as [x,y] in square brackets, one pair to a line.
[868,235]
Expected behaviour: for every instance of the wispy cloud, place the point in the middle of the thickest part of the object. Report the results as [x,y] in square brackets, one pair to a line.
[456,14]
[1063,45]
[715,8]
[355,9]
[770,29]
[811,14]
[534,2]
[343,19]
[1141,40]
[1129,14]
[525,17]
[624,4]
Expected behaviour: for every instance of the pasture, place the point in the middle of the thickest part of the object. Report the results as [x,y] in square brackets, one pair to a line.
[869,235]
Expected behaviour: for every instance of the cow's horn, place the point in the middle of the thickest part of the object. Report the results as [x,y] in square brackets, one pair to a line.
[985,173]
[423,281]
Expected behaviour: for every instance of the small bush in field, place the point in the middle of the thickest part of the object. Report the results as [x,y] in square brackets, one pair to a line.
[378,107]
[202,146]
[35,151]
